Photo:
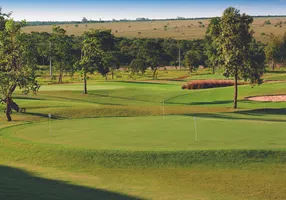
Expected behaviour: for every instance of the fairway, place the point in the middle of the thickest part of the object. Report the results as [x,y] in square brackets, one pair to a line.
[157,133]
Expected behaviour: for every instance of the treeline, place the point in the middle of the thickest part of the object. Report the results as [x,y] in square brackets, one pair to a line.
[85,20]
[139,54]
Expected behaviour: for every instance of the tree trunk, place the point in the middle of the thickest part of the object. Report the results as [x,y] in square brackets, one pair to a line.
[191,69]
[235,91]
[154,73]
[8,108]
[213,69]
[112,73]
[273,65]
[61,77]
[85,83]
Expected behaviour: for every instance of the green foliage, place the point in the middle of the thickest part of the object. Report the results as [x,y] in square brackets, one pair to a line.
[192,60]
[267,22]
[272,50]
[62,55]
[17,61]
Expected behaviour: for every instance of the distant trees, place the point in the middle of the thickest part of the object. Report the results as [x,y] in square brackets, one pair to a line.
[17,61]
[238,52]
[84,20]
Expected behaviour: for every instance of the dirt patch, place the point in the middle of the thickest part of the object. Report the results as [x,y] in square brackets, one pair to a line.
[272,98]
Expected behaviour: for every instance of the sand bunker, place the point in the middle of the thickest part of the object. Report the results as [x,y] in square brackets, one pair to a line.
[273,98]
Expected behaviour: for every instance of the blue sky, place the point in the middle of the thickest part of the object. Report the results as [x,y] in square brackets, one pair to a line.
[58,10]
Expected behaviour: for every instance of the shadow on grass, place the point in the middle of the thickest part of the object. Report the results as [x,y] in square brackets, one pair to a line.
[87,101]
[276,72]
[264,111]
[27,98]
[253,116]
[43,115]
[19,184]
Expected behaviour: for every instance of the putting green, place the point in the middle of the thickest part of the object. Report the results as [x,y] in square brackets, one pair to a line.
[157,133]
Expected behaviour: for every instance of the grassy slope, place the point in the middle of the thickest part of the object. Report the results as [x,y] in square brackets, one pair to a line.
[205,174]
[178,29]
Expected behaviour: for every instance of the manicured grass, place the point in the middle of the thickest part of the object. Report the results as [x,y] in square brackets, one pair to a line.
[158,133]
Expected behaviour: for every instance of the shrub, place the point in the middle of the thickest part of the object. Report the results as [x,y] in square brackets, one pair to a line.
[263,34]
[204,84]
[267,22]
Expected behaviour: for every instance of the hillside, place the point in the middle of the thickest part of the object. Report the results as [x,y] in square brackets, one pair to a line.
[177,29]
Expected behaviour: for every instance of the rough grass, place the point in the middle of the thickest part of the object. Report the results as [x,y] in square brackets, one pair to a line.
[205,84]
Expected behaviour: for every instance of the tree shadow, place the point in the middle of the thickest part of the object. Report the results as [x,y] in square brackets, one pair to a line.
[27,98]
[201,103]
[19,184]
[44,115]
[276,72]
[264,111]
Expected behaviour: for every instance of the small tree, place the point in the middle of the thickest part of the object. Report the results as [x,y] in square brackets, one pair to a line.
[84,20]
[17,61]
[192,60]
[138,65]
[272,51]
[236,54]
[152,51]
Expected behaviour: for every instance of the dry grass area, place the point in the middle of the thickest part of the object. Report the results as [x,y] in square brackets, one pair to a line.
[204,84]
[177,29]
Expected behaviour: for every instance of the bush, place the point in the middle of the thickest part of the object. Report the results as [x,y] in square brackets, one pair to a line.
[204,84]
[267,22]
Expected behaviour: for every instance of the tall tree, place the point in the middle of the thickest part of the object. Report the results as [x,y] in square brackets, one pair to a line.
[17,61]
[62,51]
[233,40]
[94,57]
[273,51]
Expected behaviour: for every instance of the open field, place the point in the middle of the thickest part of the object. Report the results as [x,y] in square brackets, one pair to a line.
[135,139]
[177,29]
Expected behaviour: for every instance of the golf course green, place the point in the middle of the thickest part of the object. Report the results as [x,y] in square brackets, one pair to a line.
[145,140]
[166,133]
